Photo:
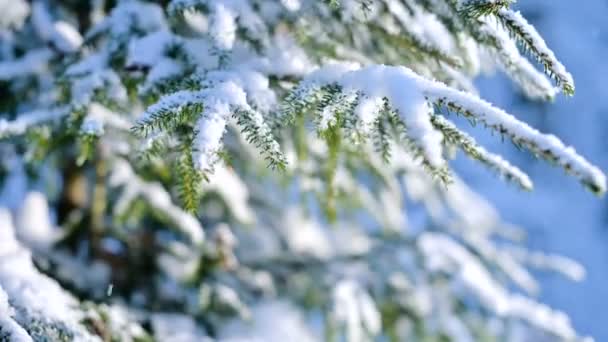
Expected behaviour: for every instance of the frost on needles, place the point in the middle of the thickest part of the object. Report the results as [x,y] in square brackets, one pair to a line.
[194,169]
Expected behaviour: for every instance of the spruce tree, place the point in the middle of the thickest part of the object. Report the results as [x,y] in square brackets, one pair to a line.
[272,170]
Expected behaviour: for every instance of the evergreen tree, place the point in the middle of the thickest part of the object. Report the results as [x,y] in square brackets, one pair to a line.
[189,170]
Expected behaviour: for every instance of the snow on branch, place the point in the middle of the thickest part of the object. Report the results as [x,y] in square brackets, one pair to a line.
[400,89]
[33,62]
[127,17]
[14,13]
[39,308]
[9,328]
[443,253]
[226,18]
[210,129]
[553,262]
[547,146]
[61,35]
[29,119]
[354,308]
[210,108]
[531,41]
[410,94]
[485,21]
[533,82]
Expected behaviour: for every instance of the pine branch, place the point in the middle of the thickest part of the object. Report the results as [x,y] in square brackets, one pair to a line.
[157,198]
[440,173]
[381,139]
[25,121]
[87,146]
[333,139]
[189,178]
[548,147]
[414,45]
[531,41]
[478,8]
[337,108]
[302,98]
[177,7]
[468,145]
[169,112]
[257,132]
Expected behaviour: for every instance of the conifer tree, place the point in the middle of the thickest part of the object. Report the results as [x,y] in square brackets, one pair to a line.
[273,170]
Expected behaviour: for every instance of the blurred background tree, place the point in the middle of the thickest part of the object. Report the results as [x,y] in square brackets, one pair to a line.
[241,169]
